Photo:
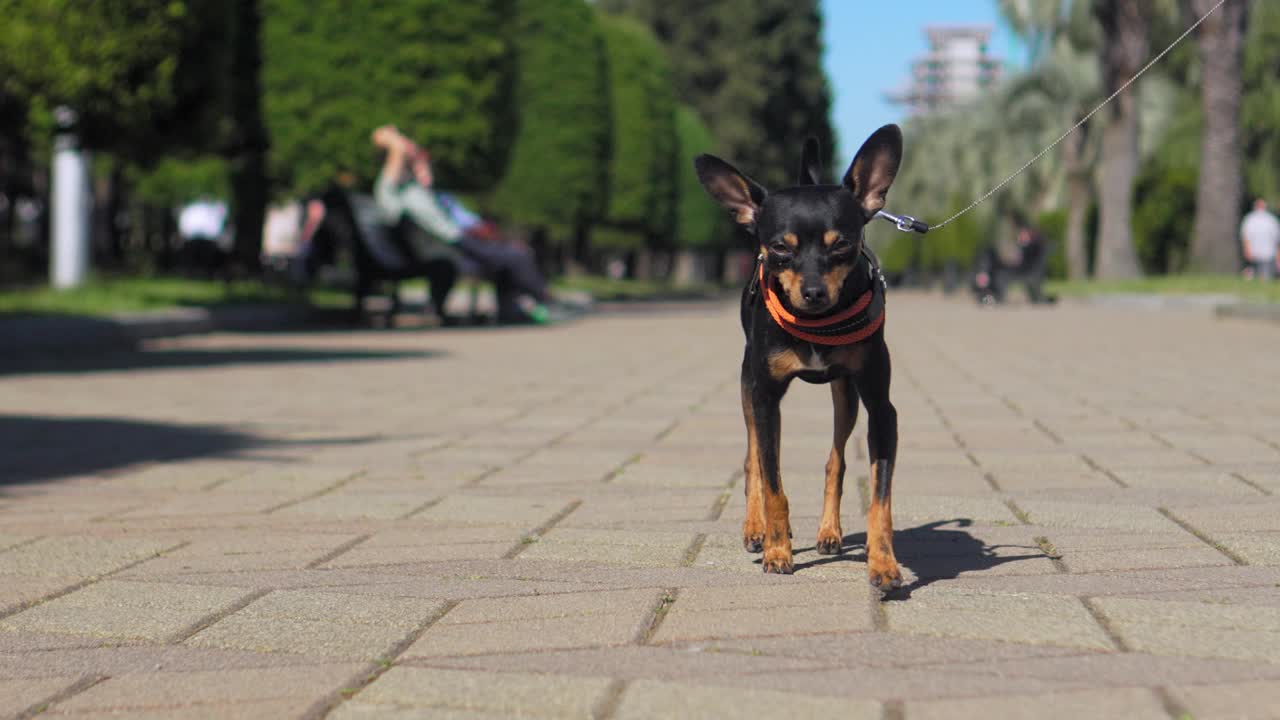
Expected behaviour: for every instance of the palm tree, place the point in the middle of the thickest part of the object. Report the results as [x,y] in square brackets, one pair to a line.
[1061,87]
[1220,186]
[1122,53]
[1038,22]
[1061,90]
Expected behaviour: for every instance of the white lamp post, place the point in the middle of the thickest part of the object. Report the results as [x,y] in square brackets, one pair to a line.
[70,204]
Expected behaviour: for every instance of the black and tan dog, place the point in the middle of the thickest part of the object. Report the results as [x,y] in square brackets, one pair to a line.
[814,310]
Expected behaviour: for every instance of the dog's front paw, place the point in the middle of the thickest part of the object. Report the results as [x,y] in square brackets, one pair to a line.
[777,560]
[830,542]
[753,535]
[885,575]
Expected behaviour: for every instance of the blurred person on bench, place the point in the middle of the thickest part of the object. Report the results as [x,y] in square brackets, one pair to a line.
[340,216]
[405,189]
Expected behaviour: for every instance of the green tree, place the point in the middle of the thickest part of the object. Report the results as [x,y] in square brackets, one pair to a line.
[698,216]
[797,95]
[130,69]
[558,170]
[148,80]
[1165,193]
[440,70]
[644,152]
[1261,104]
[1064,77]
[753,71]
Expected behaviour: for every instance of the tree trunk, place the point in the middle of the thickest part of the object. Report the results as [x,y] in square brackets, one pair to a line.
[250,142]
[1123,50]
[1078,193]
[1220,188]
[642,264]
[115,209]
[580,257]
[100,225]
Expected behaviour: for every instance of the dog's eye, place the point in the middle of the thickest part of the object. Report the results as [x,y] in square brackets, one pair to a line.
[780,248]
[842,246]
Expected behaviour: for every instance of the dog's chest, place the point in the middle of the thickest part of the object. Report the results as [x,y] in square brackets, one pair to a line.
[812,364]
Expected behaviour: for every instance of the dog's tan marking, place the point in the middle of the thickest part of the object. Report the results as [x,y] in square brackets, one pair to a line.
[785,363]
[834,279]
[753,525]
[791,239]
[830,237]
[790,281]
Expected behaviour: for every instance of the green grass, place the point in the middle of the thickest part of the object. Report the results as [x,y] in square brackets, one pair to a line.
[600,288]
[1173,285]
[110,296]
[603,288]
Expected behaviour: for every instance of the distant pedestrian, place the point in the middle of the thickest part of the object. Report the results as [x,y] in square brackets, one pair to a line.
[205,220]
[206,237]
[1259,235]
[1033,261]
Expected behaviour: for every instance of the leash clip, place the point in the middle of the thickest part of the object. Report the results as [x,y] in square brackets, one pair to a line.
[905,223]
[755,276]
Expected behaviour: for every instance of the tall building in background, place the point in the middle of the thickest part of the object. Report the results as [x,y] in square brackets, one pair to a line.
[956,68]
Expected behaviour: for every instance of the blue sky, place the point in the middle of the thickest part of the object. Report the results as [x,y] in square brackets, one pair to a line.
[869,48]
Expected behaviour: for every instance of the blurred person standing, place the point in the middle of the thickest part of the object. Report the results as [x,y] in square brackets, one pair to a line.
[1259,236]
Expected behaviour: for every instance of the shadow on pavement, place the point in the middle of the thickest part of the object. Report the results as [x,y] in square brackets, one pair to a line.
[35,449]
[86,361]
[933,551]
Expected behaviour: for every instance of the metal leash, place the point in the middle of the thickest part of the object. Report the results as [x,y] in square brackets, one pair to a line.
[906,223]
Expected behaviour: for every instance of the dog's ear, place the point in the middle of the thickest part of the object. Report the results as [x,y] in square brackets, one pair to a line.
[736,192]
[810,166]
[874,168]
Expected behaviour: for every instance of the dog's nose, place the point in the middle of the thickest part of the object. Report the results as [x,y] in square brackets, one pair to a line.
[814,295]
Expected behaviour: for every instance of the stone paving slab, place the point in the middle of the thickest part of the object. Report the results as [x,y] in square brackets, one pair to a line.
[19,695]
[319,624]
[651,699]
[547,522]
[421,689]
[259,692]
[113,608]
[1230,700]
[79,555]
[1139,704]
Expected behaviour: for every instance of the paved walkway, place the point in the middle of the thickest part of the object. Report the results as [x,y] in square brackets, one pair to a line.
[546,522]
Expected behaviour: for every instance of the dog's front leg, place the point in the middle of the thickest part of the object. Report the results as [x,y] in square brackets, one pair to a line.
[882,447]
[765,418]
[753,524]
[844,399]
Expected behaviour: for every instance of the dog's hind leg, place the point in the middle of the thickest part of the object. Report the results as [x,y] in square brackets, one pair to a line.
[844,401]
[882,447]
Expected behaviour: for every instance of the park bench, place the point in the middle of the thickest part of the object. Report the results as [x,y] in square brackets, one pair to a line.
[366,255]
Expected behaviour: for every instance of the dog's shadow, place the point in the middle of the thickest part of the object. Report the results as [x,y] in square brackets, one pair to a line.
[933,551]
